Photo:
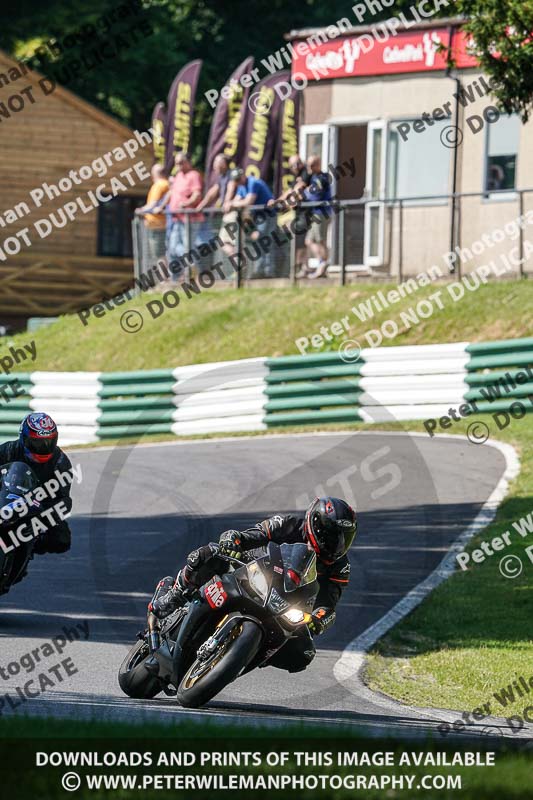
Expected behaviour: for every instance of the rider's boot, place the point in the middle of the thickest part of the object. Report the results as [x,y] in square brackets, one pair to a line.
[168,596]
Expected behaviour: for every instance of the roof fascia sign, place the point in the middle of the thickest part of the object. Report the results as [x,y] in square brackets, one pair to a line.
[384,53]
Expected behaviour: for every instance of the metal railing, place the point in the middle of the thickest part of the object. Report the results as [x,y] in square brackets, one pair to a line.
[262,242]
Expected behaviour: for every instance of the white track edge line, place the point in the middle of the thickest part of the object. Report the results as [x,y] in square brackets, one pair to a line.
[350,664]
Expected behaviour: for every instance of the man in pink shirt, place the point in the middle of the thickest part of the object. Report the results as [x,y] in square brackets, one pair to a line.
[186,192]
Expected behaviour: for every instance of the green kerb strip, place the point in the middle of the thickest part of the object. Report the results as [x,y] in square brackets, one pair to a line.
[314,373]
[136,389]
[488,378]
[312,402]
[507,345]
[146,376]
[312,417]
[132,431]
[502,359]
[301,388]
[134,417]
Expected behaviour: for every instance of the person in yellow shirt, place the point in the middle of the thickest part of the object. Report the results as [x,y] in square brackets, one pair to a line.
[153,213]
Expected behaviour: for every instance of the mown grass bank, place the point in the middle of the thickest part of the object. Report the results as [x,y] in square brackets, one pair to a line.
[231,324]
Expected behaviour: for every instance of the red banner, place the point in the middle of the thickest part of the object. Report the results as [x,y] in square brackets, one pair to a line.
[365,55]
[180,110]
[158,126]
[225,136]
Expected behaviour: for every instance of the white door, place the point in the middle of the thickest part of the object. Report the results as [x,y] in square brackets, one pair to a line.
[376,174]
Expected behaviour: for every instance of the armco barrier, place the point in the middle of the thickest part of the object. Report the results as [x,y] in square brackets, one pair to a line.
[385,384]
[311,389]
[11,413]
[501,371]
[220,397]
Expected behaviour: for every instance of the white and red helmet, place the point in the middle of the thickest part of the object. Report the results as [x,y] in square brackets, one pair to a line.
[38,437]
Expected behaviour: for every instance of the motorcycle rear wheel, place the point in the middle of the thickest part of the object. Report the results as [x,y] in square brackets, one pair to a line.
[204,680]
[133,677]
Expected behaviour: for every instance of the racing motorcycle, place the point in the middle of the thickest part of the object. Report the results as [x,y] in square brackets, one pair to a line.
[16,480]
[235,623]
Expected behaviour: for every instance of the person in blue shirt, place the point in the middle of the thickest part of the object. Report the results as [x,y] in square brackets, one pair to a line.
[318,190]
[255,192]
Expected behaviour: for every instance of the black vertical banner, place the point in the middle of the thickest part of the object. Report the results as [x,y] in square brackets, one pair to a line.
[262,129]
[288,140]
[226,135]
[180,110]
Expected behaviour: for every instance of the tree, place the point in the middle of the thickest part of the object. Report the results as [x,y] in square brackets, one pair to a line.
[127,86]
[502,32]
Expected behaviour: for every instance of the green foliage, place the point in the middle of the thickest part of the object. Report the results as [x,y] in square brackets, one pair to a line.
[502,31]
[129,85]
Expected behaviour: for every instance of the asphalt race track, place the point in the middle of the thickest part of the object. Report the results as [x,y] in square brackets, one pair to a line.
[140,510]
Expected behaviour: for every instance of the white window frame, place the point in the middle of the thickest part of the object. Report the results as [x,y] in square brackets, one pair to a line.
[376,194]
[324,129]
[497,197]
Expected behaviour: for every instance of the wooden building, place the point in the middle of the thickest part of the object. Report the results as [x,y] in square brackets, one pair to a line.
[82,253]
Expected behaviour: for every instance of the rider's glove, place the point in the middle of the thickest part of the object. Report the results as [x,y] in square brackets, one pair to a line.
[323,618]
[230,544]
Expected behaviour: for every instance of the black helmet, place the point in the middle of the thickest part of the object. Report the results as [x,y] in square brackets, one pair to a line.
[330,527]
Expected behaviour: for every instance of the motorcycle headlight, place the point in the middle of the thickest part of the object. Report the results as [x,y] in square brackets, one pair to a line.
[257,581]
[296,617]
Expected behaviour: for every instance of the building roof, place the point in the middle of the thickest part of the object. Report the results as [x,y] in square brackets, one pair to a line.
[69,97]
[304,33]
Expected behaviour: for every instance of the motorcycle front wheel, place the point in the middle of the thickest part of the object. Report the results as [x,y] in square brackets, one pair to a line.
[133,677]
[207,677]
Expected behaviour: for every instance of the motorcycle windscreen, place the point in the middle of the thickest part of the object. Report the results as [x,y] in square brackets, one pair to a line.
[17,478]
[299,566]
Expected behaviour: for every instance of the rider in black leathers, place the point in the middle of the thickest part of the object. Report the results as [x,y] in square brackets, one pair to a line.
[329,528]
[37,447]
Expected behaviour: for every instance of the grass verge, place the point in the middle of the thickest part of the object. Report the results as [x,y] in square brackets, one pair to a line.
[472,635]
[231,324]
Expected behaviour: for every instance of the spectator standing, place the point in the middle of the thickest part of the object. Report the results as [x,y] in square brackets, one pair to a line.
[154,217]
[299,183]
[318,191]
[223,192]
[186,193]
[255,192]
